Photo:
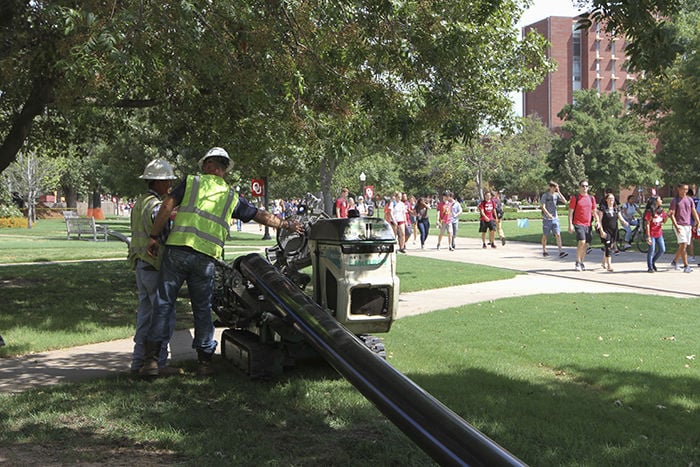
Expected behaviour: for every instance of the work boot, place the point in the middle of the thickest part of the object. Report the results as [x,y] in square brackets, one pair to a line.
[150,361]
[169,371]
[205,367]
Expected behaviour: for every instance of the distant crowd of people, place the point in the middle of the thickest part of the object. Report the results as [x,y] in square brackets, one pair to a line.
[614,223]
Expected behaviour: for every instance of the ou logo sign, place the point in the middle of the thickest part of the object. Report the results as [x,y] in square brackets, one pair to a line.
[257,187]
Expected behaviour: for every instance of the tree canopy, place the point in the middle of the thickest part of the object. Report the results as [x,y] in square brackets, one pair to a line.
[278,83]
[614,143]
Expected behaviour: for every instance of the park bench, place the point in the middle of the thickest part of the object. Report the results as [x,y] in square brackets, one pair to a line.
[83,226]
[524,208]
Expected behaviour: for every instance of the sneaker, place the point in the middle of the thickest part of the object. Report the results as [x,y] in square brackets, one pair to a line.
[687,269]
[451,248]
[578,266]
[493,245]
[483,246]
[583,267]
[654,267]
[438,247]
[563,254]
[650,270]
[544,253]
[588,249]
[503,241]
[676,266]
[691,259]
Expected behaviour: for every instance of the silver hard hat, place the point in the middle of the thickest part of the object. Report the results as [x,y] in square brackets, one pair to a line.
[216,152]
[158,169]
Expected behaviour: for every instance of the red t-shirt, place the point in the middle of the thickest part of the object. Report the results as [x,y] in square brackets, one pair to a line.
[583,209]
[488,208]
[341,205]
[655,223]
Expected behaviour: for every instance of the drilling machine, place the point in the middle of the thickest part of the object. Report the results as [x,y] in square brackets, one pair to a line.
[352,274]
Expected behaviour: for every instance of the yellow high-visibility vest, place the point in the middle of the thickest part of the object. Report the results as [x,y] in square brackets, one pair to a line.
[203,218]
[141,223]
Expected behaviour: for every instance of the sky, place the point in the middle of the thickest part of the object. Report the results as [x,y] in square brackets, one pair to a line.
[541,9]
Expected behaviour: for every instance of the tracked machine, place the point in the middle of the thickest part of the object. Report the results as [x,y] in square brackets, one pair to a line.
[352,277]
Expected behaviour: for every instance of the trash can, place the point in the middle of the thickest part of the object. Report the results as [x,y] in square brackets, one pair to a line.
[354,267]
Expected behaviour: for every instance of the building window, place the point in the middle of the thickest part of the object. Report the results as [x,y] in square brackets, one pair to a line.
[576,60]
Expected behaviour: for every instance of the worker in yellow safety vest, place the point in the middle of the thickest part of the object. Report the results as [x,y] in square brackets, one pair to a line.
[205,205]
[159,175]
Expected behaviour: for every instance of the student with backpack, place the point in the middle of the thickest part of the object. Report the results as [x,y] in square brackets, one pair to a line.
[582,210]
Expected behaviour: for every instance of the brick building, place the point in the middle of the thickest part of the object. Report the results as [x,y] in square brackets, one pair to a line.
[587,59]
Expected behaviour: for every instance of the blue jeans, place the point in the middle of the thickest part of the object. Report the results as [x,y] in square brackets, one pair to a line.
[628,229]
[423,228]
[657,248]
[146,284]
[180,265]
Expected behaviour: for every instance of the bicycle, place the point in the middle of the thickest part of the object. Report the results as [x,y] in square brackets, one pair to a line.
[637,238]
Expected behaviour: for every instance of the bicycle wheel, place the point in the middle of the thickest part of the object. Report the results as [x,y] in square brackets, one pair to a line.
[641,242]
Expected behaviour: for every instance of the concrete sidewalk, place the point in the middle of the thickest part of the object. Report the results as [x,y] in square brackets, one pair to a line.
[541,275]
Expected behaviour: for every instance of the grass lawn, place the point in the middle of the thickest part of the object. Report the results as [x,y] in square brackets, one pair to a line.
[51,306]
[559,380]
[47,241]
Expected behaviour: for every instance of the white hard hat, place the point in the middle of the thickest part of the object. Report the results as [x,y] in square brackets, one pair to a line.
[158,169]
[216,152]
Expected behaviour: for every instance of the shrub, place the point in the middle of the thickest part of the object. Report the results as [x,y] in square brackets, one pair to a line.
[10,217]
[12,222]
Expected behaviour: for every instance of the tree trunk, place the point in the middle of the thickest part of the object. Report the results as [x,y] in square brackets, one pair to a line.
[97,212]
[22,122]
[71,196]
[327,170]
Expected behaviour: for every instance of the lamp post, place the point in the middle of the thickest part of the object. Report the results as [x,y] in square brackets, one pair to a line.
[363,178]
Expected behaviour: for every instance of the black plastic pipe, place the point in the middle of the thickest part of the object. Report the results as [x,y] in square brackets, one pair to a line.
[440,432]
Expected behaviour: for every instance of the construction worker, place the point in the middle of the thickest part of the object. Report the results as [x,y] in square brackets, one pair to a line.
[159,175]
[206,204]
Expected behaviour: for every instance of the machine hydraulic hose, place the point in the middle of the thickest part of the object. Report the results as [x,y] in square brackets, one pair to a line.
[441,433]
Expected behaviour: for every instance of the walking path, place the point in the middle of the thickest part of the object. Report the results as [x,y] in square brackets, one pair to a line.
[540,275]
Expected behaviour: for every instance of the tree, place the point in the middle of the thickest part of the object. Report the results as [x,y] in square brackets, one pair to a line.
[652,44]
[614,143]
[573,171]
[316,76]
[28,176]
[520,157]
[669,99]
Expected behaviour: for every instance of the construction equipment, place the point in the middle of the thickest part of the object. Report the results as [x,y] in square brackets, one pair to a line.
[353,265]
[272,323]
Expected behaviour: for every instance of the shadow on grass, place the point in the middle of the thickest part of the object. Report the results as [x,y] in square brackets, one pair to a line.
[69,303]
[598,417]
[309,417]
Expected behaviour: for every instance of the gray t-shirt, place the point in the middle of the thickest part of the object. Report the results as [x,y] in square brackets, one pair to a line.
[550,203]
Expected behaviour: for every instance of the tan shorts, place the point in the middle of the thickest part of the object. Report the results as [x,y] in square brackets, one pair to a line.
[684,234]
